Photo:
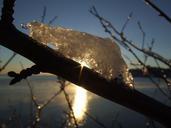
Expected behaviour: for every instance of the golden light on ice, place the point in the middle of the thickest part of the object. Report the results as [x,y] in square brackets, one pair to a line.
[80,99]
[83,64]
[80,104]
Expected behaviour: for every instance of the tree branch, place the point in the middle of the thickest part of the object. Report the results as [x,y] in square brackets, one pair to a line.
[55,63]
[157,9]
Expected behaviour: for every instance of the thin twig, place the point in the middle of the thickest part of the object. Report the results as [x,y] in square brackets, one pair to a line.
[126,44]
[150,49]
[126,22]
[91,81]
[44,14]
[143,34]
[39,108]
[161,13]
[52,20]
[8,61]
[52,98]
[62,82]
[110,29]
[95,120]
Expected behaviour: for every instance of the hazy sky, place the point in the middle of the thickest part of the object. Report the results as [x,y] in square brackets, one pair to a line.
[74,14]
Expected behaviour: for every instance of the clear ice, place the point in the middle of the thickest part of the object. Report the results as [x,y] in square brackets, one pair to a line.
[100,54]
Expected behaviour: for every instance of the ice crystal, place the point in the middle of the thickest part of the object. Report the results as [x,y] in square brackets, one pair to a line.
[100,54]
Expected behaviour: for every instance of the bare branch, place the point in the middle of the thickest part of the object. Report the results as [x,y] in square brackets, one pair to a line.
[111,30]
[8,61]
[126,22]
[52,20]
[143,33]
[95,120]
[161,13]
[57,64]
[126,44]
[44,14]
[62,82]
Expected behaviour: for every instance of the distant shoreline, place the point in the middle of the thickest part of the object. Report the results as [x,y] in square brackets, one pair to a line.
[155,72]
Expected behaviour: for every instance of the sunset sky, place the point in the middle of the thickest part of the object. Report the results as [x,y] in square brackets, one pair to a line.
[75,14]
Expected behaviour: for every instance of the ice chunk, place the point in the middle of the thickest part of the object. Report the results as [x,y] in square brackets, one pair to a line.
[100,54]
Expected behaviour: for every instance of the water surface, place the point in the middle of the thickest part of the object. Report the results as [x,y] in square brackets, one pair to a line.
[16,100]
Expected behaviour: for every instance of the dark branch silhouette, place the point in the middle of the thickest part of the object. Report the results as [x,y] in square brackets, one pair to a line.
[113,32]
[8,61]
[57,64]
[161,13]
[129,45]
[44,14]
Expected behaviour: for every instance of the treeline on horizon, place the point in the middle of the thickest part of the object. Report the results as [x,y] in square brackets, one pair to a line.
[152,71]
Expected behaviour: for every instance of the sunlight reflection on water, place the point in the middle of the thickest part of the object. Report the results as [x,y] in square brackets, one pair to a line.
[18,97]
[80,104]
[80,99]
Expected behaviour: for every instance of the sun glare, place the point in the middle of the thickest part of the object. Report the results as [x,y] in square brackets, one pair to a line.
[82,65]
[80,98]
[80,104]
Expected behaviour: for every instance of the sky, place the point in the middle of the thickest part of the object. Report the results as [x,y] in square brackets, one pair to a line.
[75,14]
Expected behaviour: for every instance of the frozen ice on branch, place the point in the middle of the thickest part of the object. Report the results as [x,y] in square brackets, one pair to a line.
[99,54]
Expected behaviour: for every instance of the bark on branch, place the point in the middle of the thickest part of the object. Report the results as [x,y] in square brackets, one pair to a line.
[55,63]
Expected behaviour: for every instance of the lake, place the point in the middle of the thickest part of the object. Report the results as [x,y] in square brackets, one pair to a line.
[90,110]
